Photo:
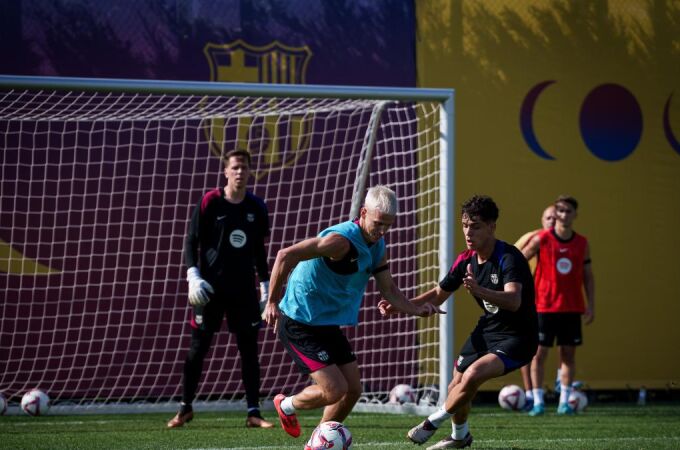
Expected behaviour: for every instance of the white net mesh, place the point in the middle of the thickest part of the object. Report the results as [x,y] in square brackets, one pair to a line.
[96,194]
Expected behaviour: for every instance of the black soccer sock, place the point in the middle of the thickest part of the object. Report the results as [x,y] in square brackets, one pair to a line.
[250,365]
[193,365]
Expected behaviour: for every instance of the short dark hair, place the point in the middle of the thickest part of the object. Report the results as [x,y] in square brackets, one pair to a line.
[567,199]
[237,152]
[481,207]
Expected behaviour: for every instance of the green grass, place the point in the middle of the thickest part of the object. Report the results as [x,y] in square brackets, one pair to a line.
[601,427]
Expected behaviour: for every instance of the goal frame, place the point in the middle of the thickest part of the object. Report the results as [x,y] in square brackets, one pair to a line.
[445,98]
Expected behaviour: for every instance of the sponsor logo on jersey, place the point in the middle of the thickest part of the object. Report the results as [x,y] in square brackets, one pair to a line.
[493,309]
[494,278]
[322,355]
[564,265]
[250,217]
[237,238]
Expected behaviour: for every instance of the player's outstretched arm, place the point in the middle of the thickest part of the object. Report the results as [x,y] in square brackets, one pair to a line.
[395,301]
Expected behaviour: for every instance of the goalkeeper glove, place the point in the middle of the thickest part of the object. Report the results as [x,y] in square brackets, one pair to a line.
[198,288]
[264,295]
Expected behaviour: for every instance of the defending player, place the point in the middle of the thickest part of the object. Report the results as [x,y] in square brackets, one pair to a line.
[324,292]
[563,270]
[505,338]
[223,249]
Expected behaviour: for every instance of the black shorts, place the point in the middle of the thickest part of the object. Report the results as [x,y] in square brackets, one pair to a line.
[514,351]
[566,327]
[241,309]
[314,347]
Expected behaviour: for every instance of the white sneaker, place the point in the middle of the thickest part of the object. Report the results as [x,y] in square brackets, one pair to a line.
[449,442]
[421,432]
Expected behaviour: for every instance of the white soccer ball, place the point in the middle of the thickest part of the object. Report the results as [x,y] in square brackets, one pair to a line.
[578,401]
[512,398]
[402,393]
[330,435]
[35,403]
[3,404]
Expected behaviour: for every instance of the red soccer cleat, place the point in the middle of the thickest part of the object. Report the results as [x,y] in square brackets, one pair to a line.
[289,423]
[180,419]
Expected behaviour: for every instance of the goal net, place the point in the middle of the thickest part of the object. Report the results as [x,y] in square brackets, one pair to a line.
[99,179]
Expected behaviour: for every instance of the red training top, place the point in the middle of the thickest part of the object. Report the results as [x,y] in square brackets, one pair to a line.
[559,273]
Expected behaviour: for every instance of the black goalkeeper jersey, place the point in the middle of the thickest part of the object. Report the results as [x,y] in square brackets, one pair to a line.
[507,264]
[226,241]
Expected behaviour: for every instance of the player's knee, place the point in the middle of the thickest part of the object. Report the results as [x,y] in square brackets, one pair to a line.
[197,351]
[471,379]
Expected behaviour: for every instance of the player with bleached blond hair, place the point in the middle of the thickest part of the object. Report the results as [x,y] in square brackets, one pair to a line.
[328,278]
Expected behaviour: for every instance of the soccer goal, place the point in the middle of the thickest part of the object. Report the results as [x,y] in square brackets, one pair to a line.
[99,178]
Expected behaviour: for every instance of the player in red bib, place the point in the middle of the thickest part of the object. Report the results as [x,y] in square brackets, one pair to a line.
[562,273]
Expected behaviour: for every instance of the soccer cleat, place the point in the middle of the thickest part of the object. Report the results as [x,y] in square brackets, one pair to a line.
[449,442]
[565,410]
[421,432]
[537,410]
[289,423]
[528,404]
[180,419]
[258,422]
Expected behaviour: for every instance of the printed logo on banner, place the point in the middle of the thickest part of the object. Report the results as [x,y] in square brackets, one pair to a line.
[274,142]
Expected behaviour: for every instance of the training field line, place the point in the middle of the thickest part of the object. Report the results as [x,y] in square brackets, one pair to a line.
[647,439]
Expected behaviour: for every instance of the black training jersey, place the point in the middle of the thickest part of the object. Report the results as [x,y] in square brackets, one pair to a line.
[507,264]
[228,240]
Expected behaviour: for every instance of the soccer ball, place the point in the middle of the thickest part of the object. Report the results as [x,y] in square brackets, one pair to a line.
[330,435]
[3,404]
[35,403]
[578,401]
[511,397]
[402,393]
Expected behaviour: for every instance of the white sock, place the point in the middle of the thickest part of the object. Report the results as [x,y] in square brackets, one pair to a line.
[529,394]
[439,416]
[538,396]
[287,406]
[564,393]
[460,431]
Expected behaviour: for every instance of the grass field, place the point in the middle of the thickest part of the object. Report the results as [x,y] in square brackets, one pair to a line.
[601,427]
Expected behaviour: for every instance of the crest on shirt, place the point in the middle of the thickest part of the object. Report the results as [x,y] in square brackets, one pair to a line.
[494,278]
[322,355]
[250,217]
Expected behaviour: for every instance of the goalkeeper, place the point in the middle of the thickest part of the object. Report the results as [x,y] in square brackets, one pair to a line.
[223,249]
[328,280]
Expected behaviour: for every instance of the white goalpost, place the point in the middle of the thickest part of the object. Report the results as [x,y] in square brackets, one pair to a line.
[99,178]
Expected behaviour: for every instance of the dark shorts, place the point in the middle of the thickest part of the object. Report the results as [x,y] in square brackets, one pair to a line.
[314,347]
[242,311]
[566,327]
[514,351]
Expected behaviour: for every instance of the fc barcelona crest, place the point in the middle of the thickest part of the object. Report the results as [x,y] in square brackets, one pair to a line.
[274,141]
[494,278]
